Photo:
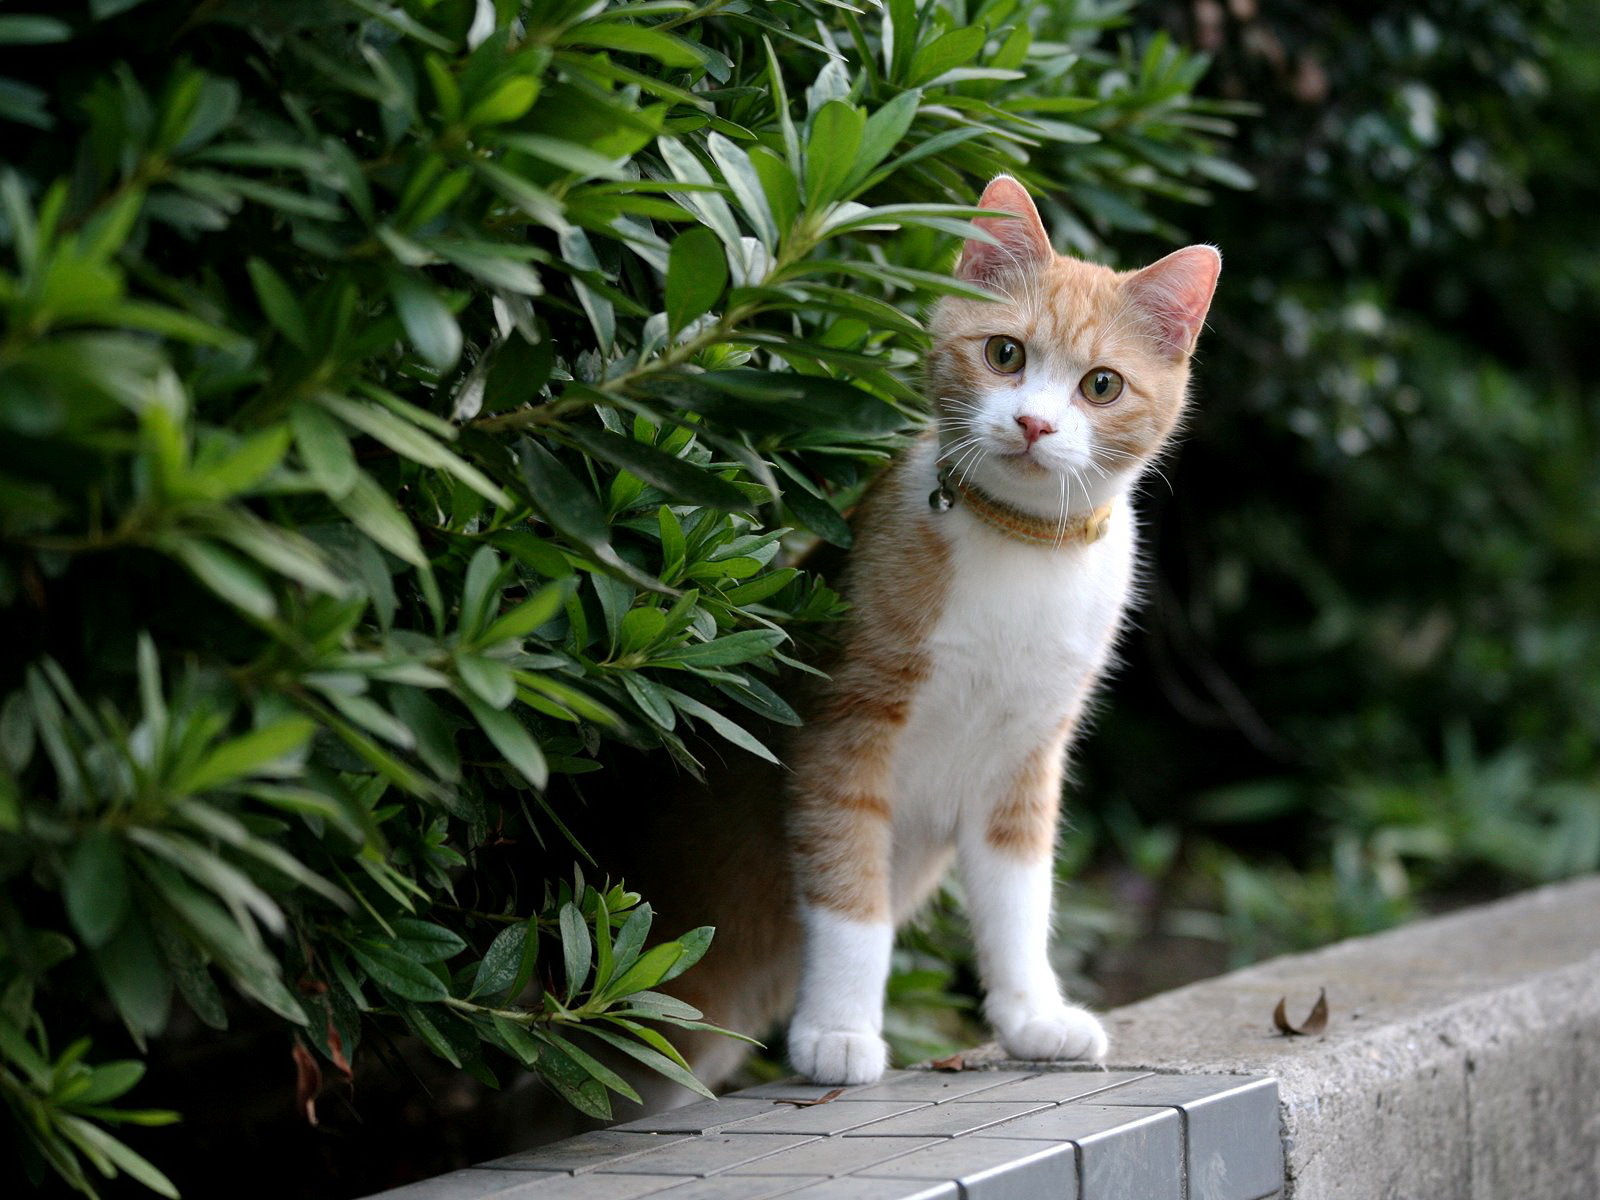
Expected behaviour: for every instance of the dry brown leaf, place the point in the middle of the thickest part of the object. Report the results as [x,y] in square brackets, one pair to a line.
[1316,1020]
[307,1082]
[956,1062]
[822,1099]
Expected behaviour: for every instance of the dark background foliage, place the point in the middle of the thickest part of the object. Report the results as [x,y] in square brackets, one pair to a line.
[396,413]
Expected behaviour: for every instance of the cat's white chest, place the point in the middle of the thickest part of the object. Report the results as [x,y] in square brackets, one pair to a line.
[1022,632]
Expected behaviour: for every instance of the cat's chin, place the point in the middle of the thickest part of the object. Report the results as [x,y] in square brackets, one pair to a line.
[1028,465]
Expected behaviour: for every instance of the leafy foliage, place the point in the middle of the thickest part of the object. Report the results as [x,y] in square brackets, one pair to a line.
[404,404]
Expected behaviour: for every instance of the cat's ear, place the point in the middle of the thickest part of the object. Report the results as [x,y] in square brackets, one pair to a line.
[1023,241]
[1177,292]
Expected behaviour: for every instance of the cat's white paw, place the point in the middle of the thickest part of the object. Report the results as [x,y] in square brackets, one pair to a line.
[1062,1032]
[837,1056]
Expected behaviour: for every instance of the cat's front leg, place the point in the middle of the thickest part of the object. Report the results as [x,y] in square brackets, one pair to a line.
[840,834]
[1006,859]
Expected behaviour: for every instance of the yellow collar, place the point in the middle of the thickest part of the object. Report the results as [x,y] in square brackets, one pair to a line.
[1086,528]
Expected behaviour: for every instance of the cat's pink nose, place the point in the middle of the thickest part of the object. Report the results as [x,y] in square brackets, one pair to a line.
[1034,428]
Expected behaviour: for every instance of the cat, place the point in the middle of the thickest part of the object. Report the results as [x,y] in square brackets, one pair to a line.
[992,567]
[991,574]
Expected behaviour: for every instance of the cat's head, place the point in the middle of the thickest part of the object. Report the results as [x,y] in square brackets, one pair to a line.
[1062,390]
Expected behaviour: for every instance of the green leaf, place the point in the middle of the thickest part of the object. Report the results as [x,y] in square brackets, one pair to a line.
[428,321]
[538,609]
[571,507]
[694,945]
[499,966]
[650,969]
[136,980]
[954,49]
[746,184]
[512,740]
[373,511]
[324,449]
[137,1167]
[249,754]
[673,475]
[110,1080]
[831,152]
[652,1058]
[517,1040]
[745,646]
[576,948]
[279,303]
[426,942]
[736,734]
[407,438]
[665,48]
[696,275]
[95,887]
[28,30]
[488,679]
[396,973]
[225,573]
[882,134]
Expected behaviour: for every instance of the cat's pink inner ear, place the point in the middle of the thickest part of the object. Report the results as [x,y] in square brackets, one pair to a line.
[1023,241]
[1177,292]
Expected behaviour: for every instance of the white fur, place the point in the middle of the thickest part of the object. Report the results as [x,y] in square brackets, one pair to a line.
[837,1032]
[1024,632]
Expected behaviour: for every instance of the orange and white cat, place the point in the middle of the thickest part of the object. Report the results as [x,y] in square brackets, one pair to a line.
[992,569]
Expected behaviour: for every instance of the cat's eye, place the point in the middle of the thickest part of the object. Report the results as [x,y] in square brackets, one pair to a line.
[1101,385]
[1004,354]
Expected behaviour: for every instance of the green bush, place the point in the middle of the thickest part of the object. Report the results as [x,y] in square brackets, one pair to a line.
[1372,660]
[404,404]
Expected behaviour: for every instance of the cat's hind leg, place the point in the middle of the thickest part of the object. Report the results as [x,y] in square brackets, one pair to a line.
[1005,852]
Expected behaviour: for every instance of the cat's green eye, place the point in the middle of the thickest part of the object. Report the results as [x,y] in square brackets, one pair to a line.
[1101,385]
[1004,354]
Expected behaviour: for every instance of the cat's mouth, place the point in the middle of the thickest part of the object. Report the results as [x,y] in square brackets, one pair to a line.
[1025,460]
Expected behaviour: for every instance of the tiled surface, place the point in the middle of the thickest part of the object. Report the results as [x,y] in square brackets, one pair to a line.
[920,1135]
[994,1168]
[708,1154]
[1232,1143]
[831,1118]
[838,1156]
[948,1120]
[586,1151]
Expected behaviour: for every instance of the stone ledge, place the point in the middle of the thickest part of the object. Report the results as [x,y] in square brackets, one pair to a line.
[1461,1058]
[974,1135]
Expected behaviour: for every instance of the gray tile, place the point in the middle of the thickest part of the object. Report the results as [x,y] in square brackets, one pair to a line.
[1126,1153]
[836,1156]
[798,1089]
[933,1086]
[993,1168]
[860,1188]
[1234,1143]
[584,1152]
[948,1120]
[828,1118]
[549,1186]
[477,1184]
[708,1154]
[702,1116]
[731,1187]
[471,1184]
[1061,1086]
